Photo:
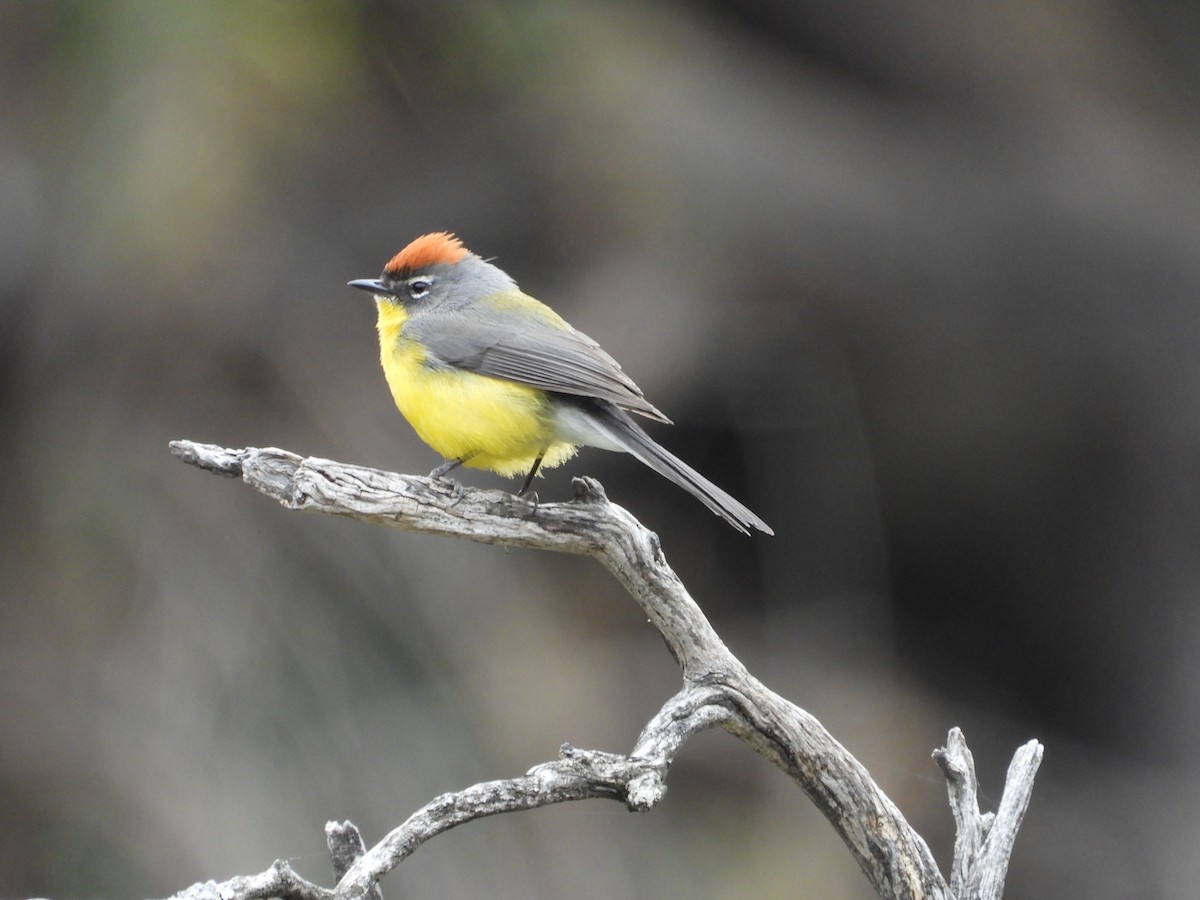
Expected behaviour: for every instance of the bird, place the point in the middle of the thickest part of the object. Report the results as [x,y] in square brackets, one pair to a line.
[491,378]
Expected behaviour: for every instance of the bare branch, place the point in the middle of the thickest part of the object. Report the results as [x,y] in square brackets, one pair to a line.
[984,841]
[277,881]
[576,775]
[959,768]
[718,690]
[988,879]
[637,780]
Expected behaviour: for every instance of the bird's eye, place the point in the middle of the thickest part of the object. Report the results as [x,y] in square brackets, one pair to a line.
[419,287]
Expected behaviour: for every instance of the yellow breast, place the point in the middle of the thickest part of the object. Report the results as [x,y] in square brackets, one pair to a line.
[488,422]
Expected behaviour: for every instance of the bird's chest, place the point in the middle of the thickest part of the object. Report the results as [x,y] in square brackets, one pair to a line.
[457,412]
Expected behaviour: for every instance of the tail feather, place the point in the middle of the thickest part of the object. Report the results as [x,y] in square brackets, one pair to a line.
[634,439]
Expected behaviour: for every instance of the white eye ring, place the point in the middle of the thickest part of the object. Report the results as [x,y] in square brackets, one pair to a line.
[419,287]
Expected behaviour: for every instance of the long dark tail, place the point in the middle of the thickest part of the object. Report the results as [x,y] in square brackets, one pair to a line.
[630,435]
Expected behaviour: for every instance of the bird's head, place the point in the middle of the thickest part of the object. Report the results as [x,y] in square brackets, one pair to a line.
[433,269]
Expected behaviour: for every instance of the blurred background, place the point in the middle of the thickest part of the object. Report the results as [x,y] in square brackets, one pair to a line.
[919,282]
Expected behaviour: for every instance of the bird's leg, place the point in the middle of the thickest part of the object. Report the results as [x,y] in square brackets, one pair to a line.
[448,466]
[529,478]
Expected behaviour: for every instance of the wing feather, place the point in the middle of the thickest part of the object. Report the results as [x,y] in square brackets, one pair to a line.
[529,345]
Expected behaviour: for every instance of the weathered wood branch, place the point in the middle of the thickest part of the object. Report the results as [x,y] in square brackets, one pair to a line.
[717,691]
[984,841]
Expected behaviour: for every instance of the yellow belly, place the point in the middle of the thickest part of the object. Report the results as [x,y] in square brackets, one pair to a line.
[487,422]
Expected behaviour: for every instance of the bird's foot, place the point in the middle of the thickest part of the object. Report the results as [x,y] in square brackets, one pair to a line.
[534,501]
[448,466]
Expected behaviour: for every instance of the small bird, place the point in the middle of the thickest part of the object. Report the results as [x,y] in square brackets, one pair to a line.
[491,378]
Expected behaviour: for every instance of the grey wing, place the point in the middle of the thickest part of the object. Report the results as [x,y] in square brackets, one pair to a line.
[528,351]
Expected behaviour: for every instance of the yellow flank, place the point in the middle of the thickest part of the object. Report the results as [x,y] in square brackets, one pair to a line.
[488,422]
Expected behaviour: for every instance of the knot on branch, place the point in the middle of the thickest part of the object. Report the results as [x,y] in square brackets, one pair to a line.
[637,780]
[645,791]
[588,490]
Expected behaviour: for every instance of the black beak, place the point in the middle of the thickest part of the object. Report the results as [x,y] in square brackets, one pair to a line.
[374,285]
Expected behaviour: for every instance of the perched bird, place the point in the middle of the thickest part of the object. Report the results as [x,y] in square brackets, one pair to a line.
[491,378]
